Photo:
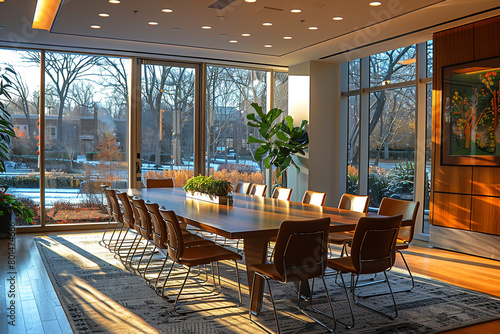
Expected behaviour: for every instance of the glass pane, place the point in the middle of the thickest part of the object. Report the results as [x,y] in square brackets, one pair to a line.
[428,159]
[85,134]
[280,97]
[393,66]
[167,122]
[430,57]
[392,144]
[22,173]
[354,74]
[230,91]
[353,145]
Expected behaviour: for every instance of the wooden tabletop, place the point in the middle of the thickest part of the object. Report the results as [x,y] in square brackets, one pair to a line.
[249,217]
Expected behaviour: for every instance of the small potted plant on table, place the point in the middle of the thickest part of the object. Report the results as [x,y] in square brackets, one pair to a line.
[208,189]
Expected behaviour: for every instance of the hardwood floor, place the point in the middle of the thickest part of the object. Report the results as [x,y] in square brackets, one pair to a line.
[37,308]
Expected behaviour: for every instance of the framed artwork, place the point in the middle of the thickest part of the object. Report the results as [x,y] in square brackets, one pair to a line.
[470,113]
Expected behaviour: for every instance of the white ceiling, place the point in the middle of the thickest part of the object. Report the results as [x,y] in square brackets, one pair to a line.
[179,33]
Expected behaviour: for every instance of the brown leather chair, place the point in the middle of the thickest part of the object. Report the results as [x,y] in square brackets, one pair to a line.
[144,227]
[282,193]
[314,198]
[258,190]
[349,202]
[409,210]
[129,222]
[243,187]
[117,216]
[300,254]
[190,257]
[373,250]
[110,213]
[160,183]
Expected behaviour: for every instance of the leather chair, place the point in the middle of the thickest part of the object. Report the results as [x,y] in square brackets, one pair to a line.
[110,213]
[160,183]
[300,254]
[282,193]
[409,210]
[129,222]
[349,202]
[373,250]
[189,257]
[144,227]
[314,198]
[243,187]
[117,216]
[258,190]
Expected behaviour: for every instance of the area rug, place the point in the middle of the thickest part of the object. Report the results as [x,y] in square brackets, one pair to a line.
[99,295]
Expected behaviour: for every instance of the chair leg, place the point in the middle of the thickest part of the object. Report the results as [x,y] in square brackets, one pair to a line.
[303,311]
[370,308]
[348,303]
[105,231]
[409,272]
[272,302]
[182,287]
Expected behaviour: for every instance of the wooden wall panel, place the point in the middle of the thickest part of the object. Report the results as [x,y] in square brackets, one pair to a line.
[486,34]
[485,215]
[486,181]
[452,210]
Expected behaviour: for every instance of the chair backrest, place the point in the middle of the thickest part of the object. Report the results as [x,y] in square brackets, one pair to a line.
[243,187]
[115,207]
[144,219]
[301,249]
[175,242]
[355,203]
[409,210]
[108,201]
[160,183]
[314,198]
[128,213]
[134,211]
[159,230]
[374,243]
[258,190]
[282,193]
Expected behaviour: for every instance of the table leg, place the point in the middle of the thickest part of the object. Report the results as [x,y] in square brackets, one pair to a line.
[255,253]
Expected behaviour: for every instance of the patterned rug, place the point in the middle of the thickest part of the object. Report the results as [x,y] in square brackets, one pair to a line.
[99,295]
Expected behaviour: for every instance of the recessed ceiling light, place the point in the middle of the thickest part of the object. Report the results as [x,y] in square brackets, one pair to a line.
[287,37]
[375,3]
[114,1]
[153,23]
[95,27]
[104,15]
[337,18]
[267,24]
[313,28]
[206,27]
[167,10]
[176,29]
[245,35]
[233,41]
[250,1]
[268,46]
[296,11]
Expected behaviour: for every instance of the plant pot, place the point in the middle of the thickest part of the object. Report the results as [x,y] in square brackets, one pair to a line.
[6,223]
[225,200]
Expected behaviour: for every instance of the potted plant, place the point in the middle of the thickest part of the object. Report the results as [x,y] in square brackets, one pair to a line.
[279,140]
[206,188]
[8,205]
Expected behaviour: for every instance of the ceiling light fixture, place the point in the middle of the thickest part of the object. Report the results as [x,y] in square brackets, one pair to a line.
[250,1]
[104,15]
[295,11]
[337,18]
[313,28]
[375,3]
[245,35]
[176,29]
[233,41]
[206,27]
[114,1]
[95,27]
[268,46]
[267,24]
[45,14]
[153,23]
[167,10]
[287,37]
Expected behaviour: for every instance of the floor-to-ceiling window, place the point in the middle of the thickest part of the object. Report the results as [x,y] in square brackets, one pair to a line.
[382,108]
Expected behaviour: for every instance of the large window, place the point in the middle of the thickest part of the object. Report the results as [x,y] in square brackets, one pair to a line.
[382,95]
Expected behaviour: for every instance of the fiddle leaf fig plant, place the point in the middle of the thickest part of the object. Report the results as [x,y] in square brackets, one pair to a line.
[6,127]
[279,140]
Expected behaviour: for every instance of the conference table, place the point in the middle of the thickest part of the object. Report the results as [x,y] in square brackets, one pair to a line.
[252,218]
